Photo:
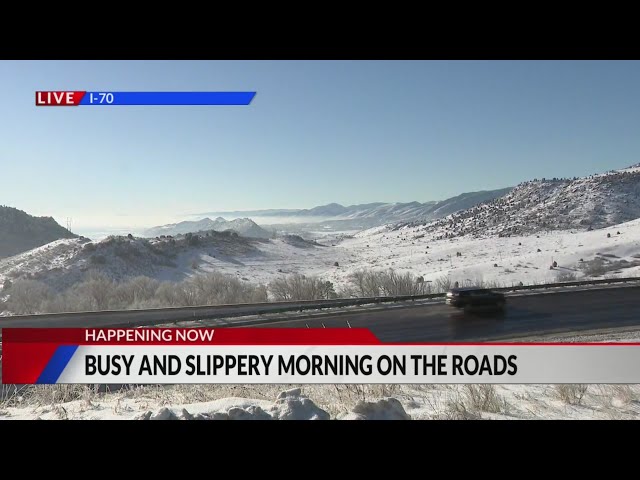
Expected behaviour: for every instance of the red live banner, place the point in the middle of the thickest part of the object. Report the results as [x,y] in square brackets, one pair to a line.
[59,98]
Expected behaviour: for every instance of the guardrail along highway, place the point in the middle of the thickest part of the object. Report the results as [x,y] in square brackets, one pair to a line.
[526,315]
[398,319]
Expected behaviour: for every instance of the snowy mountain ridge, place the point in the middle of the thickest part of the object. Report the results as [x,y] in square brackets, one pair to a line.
[592,202]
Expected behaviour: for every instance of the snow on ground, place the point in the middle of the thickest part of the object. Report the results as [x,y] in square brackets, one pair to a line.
[517,257]
[493,260]
[53,256]
[65,262]
[331,402]
[273,259]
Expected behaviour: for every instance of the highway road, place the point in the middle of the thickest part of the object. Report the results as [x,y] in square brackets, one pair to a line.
[135,318]
[527,315]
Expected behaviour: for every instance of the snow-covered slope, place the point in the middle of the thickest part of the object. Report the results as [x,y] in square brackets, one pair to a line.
[20,231]
[244,226]
[535,206]
[66,262]
[504,261]
[500,261]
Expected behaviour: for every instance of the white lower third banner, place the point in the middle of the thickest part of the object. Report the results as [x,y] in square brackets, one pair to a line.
[241,356]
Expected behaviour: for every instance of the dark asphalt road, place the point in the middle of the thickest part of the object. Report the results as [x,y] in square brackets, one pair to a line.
[133,318]
[524,316]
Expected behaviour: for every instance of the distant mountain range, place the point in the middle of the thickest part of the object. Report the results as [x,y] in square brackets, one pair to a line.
[20,231]
[243,226]
[367,215]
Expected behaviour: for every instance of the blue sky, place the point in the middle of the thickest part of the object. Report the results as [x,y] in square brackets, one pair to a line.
[317,132]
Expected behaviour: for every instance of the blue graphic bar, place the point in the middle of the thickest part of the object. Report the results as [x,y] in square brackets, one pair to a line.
[57,364]
[167,98]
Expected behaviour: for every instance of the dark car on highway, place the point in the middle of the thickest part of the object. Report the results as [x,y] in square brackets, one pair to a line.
[474,297]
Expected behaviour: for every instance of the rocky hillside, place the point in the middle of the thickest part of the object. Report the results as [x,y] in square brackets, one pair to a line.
[243,226]
[65,262]
[592,202]
[20,231]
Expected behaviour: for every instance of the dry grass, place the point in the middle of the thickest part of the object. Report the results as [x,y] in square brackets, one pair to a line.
[451,402]
[566,277]
[571,393]
[624,393]
[480,398]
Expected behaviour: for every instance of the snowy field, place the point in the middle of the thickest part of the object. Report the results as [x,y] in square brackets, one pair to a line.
[337,402]
[327,402]
[496,260]
[525,259]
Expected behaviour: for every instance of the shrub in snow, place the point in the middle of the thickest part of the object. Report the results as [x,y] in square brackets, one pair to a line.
[595,267]
[572,394]
[300,287]
[99,259]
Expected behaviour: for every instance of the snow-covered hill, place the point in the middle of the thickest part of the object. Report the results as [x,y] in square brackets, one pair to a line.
[63,263]
[503,261]
[244,226]
[20,231]
[542,205]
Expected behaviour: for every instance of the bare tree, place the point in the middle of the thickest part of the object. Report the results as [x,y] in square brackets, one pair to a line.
[27,296]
